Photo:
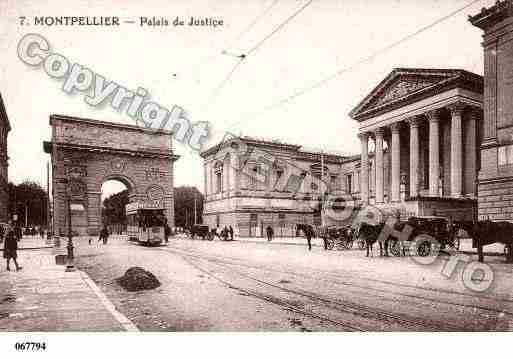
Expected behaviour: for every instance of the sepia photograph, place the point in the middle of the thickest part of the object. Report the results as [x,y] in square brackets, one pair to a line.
[263,177]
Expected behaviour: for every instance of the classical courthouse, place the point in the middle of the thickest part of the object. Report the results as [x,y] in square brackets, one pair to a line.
[442,143]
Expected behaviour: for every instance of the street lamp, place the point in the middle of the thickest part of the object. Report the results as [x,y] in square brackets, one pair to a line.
[69,266]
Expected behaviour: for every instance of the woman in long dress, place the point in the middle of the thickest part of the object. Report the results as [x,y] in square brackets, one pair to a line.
[11,248]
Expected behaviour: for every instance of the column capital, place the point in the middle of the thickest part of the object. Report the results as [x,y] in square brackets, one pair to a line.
[433,115]
[415,121]
[457,108]
[475,113]
[379,132]
[396,127]
[363,136]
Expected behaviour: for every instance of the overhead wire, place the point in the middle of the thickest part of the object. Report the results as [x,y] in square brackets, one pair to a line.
[243,56]
[325,80]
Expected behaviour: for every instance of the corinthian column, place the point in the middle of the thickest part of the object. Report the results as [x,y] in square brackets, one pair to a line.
[434,152]
[364,178]
[396,161]
[379,165]
[414,155]
[456,149]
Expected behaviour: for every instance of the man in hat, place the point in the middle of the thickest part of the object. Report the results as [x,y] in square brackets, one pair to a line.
[11,247]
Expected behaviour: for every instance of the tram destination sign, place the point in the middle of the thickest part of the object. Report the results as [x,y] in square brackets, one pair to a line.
[147,204]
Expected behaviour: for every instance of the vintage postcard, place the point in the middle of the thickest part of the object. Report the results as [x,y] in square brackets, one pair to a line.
[237,167]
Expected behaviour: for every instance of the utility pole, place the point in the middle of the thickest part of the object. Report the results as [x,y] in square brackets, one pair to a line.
[195,210]
[48,215]
[70,265]
[321,188]
[26,214]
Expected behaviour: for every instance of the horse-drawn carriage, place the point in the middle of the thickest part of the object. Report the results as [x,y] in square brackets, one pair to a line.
[339,238]
[201,231]
[435,227]
[421,228]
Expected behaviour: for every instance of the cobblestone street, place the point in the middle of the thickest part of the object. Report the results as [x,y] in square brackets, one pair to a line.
[253,286]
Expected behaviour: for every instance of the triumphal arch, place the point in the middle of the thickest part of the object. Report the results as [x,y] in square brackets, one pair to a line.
[85,153]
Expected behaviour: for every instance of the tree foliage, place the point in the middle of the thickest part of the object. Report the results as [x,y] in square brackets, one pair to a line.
[113,209]
[184,205]
[28,198]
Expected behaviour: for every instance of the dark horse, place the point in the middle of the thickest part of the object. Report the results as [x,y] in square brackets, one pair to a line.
[301,227]
[370,234]
[489,232]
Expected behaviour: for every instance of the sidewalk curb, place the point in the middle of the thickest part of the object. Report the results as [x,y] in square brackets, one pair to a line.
[126,323]
[30,248]
[490,254]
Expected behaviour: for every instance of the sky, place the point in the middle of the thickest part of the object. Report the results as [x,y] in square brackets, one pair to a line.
[185,66]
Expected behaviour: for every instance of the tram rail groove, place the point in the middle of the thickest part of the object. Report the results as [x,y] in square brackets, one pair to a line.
[273,300]
[340,306]
[342,281]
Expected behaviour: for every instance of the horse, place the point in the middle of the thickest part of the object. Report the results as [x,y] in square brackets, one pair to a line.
[304,228]
[370,234]
[489,232]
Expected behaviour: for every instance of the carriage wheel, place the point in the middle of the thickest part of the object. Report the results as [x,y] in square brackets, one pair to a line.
[349,244]
[457,243]
[395,248]
[331,244]
[209,237]
[424,249]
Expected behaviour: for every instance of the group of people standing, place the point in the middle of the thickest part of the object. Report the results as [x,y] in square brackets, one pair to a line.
[224,234]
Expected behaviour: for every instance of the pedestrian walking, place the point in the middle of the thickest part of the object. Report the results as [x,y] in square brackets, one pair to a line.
[104,235]
[11,248]
[231,232]
[18,233]
[167,232]
[270,233]
[308,234]
[42,232]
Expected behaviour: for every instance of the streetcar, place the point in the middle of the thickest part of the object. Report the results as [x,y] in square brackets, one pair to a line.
[146,222]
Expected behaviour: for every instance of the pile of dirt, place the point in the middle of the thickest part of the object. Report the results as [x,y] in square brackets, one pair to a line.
[136,278]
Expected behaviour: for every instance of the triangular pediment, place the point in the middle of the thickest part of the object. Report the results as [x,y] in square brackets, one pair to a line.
[401,84]
[402,87]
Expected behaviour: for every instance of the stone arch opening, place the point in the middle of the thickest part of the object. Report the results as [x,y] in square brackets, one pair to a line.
[115,195]
[88,153]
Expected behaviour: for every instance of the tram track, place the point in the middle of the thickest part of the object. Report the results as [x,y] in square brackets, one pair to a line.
[337,305]
[273,300]
[342,281]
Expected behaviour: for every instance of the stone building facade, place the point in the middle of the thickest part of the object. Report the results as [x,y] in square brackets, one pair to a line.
[496,174]
[420,131]
[430,120]
[88,152]
[5,127]
[252,183]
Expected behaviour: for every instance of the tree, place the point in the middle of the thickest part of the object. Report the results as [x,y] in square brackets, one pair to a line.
[184,205]
[113,210]
[28,199]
